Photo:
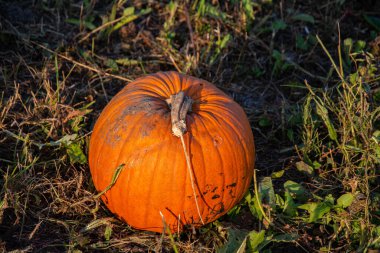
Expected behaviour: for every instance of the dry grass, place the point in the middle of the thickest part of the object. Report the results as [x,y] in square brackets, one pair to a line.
[61,62]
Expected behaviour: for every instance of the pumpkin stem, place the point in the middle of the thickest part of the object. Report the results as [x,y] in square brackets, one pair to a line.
[180,106]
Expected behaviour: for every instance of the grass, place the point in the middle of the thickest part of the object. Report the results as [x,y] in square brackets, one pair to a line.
[306,73]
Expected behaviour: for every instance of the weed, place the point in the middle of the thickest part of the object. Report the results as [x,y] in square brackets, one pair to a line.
[317,140]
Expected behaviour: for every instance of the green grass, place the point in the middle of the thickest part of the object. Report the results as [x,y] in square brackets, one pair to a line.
[310,89]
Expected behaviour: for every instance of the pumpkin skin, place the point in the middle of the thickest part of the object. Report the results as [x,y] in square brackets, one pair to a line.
[135,130]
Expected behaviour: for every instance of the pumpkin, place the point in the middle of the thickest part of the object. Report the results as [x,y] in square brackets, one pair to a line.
[171,151]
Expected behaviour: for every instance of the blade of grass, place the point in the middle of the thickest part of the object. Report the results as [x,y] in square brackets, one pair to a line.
[331,59]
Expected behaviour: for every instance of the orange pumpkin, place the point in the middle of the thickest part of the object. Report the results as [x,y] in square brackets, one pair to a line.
[134,136]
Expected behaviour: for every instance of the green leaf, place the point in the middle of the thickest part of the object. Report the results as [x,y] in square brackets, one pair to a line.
[373,21]
[277,174]
[255,239]
[248,8]
[110,63]
[280,201]
[235,240]
[345,200]
[278,25]
[375,243]
[129,11]
[249,13]
[305,168]
[296,190]
[359,46]
[316,165]
[234,211]
[265,122]
[316,210]
[76,154]
[347,48]
[279,64]
[253,206]
[256,208]
[303,17]
[267,192]
[290,207]
[301,43]
[329,199]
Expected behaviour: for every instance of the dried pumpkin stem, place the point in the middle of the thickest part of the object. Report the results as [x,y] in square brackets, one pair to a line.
[180,106]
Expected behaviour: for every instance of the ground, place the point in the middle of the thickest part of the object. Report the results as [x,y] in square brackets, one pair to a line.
[305,72]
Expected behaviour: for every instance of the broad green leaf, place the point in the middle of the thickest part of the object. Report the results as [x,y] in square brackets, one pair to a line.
[308,206]
[348,45]
[255,239]
[280,201]
[304,17]
[234,211]
[256,207]
[296,190]
[129,11]
[290,208]
[249,199]
[316,210]
[242,247]
[345,200]
[359,46]
[253,206]
[277,174]
[235,240]
[316,165]
[267,192]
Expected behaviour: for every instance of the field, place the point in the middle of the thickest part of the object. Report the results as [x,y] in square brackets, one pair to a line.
[305,72]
